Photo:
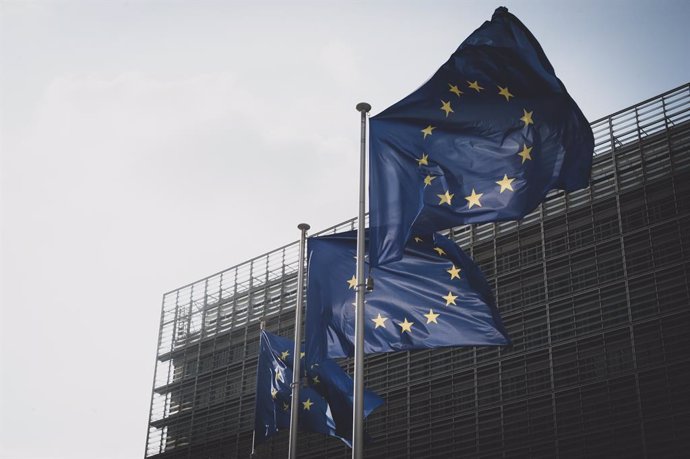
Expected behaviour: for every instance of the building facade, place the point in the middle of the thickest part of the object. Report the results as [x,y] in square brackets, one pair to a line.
[593,287]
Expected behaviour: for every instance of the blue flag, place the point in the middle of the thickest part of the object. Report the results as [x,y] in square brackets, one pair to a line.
[325,404]
[483,140]
[435,296]
[336,386]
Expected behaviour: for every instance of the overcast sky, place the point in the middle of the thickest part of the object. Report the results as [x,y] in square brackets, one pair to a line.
[147,144]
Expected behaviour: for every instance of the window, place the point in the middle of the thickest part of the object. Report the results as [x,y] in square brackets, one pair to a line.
[633,212]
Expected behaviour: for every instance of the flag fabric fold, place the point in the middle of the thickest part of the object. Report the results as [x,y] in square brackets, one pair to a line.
[325,403]
[435,296]
[336,386]
[484,140]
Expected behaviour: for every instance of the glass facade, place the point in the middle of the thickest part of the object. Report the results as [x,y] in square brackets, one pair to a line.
[593,287]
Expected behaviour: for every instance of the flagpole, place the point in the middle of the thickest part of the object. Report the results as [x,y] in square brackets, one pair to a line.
[296,373]
[262,326]
[358,412]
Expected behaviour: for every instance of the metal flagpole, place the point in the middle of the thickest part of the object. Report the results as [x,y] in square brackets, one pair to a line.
[296,374]
[358,412]
[262,326]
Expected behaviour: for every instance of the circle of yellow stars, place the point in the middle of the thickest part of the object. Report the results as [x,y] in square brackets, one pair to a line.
[278,376]
[432,317]
[506,183]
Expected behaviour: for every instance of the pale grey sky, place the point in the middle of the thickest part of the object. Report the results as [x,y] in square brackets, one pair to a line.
[147,144]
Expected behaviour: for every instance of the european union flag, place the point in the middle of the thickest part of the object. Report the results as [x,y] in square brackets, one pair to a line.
[336,386]
[483,140]
[274,392]
[325,404]
[435,296]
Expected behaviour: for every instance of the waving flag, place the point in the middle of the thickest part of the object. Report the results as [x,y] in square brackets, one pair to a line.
[325,404]
[435,296]
[483,140]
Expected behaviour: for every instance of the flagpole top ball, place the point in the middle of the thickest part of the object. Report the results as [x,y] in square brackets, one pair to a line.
[303,226]
[363,107]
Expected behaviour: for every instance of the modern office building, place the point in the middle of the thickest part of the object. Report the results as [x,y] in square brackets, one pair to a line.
[593,287]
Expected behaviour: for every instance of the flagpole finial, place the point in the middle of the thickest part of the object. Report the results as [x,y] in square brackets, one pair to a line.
[303,226]
[363,107]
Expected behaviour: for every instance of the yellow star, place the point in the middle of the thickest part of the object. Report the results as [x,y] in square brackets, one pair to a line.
[352,283]
[527,117]
[474,85]
[418,239]
[424,161]
[454,272]
[308,404]
[450,299]
[525,153]
[315,379]
[274,392]
[446,107]
[473,199]
[440,250]
[279,375]
[455,90]
[427,130]
[379,321]
[431,317]
[445,198]
[301,355]
[286,407]
[427,180]
[284,355]
[505,183]
[505,93]
[406,326]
